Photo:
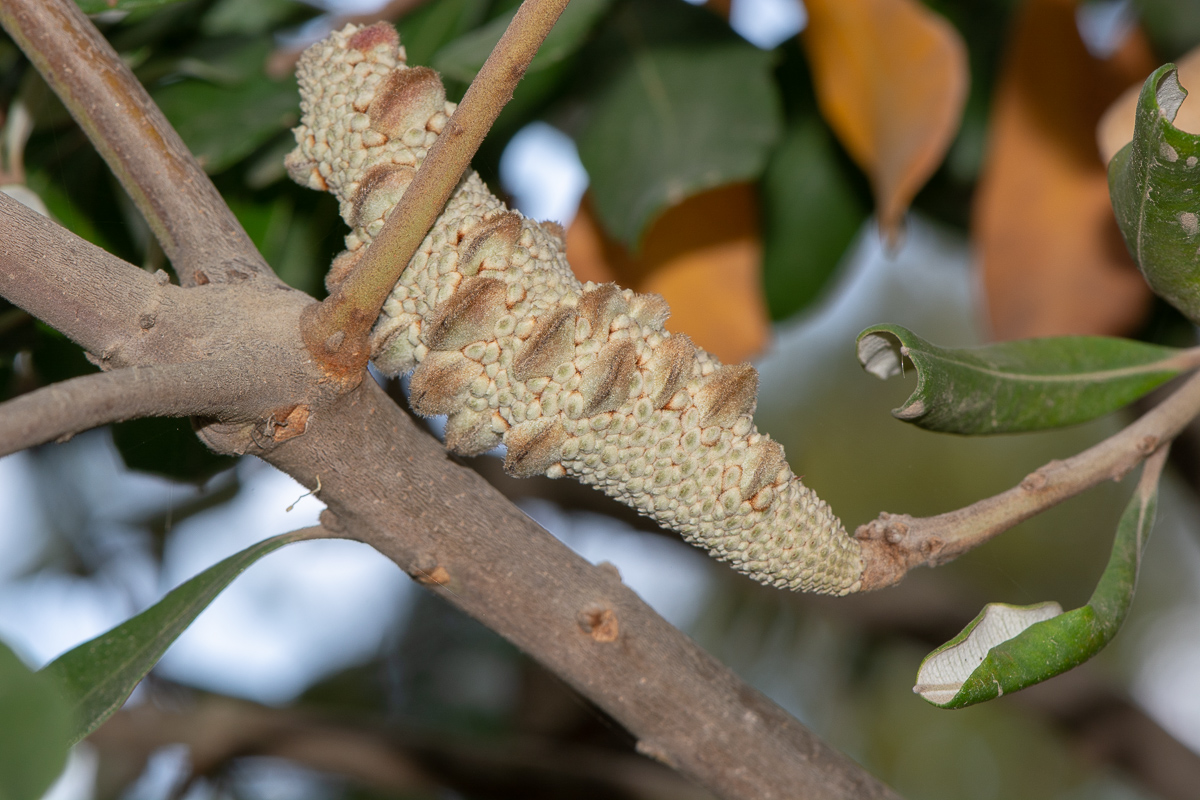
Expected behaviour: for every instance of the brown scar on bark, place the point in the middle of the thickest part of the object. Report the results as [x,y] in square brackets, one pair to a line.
[657,752]
[438,576]
[599,623]
[287,423]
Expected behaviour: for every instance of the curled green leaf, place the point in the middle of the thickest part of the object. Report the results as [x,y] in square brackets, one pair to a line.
[1014,387]
[1152,182]
[1008,648]
[98,676]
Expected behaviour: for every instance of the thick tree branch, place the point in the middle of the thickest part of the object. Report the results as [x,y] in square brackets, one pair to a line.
[336,330]
[895,543]
[91,296]
[197,231]
[391,485]
[80,404]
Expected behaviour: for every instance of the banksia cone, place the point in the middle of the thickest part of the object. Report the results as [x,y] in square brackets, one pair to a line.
[575,379]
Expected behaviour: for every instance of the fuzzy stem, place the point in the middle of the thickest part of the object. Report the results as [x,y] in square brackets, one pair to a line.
[336,330]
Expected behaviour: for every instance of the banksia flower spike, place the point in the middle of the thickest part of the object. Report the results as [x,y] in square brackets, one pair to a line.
[577,380]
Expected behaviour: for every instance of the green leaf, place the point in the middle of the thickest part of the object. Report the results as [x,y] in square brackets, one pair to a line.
[99,675]
[236,17]
[462,58]
[431,25]
[685,105]
[100,6]
[55,357]
[167,446]
[288,236]
[222,124]
[63,209]
[35,728]
[1152,182]
[1008,648]
[811,212]
[1019,386]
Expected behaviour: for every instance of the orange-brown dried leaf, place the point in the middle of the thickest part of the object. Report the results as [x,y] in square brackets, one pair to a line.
[1052,258]
[891,78]
[704,256]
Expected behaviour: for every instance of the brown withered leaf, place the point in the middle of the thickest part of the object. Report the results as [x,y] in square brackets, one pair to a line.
[1052,258]
[1116,126]
[703,255]
[891,78]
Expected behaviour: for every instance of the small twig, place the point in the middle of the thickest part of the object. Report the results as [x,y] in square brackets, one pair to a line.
[336,330]
[311,493]
[1183,361]
[197,231]
[61,410]
[895,543]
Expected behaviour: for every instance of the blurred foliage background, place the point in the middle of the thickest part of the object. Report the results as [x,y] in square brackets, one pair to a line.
[784,175]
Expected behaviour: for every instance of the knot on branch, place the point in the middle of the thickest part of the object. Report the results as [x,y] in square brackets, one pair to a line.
[893,544]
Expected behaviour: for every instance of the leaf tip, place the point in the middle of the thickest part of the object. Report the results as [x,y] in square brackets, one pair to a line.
[914,410]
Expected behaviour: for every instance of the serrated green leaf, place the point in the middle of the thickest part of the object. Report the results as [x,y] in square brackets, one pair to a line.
[686,105]
[1009,648]
[1014,387]
[1152,182]
[35,728]
[462,58]
[99,675]
[811,212]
